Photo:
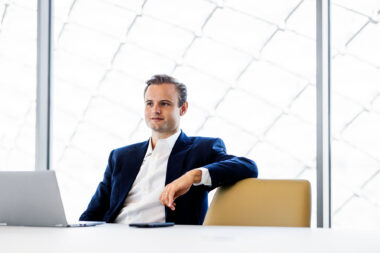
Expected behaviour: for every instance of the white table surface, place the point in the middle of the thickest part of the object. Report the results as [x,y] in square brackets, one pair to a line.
[122,238]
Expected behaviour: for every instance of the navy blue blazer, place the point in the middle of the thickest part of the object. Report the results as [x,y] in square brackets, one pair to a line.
[188,153]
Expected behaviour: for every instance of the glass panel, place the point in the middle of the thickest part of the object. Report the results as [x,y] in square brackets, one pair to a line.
[355,114]
[18,50]
[249,68]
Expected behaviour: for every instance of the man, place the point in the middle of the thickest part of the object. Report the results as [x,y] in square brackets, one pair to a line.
[168,177]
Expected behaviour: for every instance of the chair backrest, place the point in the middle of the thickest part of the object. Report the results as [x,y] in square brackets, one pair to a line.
[261,202]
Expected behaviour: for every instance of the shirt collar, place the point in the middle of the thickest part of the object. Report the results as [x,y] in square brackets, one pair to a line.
[168,142]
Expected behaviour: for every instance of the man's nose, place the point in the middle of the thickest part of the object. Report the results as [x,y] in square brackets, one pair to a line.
[156,108]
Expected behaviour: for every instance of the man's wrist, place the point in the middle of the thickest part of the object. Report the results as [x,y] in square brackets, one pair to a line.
[196,175]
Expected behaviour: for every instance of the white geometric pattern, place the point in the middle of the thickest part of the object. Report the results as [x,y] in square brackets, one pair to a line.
[355,119]
[18,47]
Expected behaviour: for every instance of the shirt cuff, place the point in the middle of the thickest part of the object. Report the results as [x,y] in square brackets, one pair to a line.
[206,179]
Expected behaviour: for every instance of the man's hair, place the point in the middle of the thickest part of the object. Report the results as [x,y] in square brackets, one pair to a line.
[161,79]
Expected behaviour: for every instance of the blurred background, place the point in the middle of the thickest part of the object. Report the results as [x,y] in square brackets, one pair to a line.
[250,68]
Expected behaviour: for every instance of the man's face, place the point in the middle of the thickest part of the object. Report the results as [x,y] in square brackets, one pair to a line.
[162,113]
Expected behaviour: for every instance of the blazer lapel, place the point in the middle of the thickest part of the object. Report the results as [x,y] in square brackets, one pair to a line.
[177,158]
[130,170]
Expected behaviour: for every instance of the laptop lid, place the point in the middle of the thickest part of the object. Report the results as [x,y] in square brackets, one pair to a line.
[30,198]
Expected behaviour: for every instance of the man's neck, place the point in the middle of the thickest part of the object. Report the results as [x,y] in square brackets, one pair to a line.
[157,136]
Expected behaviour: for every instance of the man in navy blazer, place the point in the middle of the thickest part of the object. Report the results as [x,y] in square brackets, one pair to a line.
[193,166]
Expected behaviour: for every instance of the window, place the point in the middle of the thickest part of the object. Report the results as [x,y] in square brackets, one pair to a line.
[249,68]
[18,37]
[355,114]
[250,71]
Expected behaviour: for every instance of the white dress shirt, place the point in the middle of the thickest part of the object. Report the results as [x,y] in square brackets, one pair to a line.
[142,203]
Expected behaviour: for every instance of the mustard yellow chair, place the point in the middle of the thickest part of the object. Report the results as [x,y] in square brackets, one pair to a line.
[261,202]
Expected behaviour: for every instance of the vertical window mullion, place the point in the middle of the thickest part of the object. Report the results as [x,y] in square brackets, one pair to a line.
[323,115]
[44,83]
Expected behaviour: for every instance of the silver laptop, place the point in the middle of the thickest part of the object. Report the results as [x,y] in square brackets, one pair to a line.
[32,198]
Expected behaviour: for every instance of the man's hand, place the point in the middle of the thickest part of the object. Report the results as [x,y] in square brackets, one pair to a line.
[179,187]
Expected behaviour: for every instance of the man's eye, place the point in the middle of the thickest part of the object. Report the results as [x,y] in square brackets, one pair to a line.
[165,104]
[149,104]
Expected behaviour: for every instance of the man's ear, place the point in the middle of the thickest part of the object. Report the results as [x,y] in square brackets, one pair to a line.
[183,109]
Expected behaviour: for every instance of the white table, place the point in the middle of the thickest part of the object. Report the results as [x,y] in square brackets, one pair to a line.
[122,238]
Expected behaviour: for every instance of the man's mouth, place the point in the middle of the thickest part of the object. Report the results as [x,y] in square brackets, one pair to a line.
[156,119]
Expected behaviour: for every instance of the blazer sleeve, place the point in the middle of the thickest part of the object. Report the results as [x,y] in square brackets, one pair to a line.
[228,169]
[100,202]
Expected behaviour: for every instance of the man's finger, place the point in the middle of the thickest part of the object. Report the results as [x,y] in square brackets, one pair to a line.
[163,196]
[166,196]
[170,199]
